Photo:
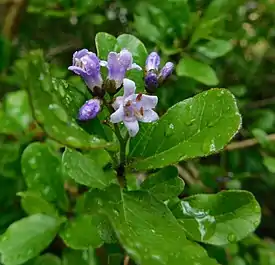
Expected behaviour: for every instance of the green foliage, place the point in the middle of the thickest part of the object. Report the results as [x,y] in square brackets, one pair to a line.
[81,192]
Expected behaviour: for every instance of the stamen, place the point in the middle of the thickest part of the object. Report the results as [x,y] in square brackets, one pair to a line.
[139,96]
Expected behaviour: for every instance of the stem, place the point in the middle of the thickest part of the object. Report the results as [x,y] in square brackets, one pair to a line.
[122,157]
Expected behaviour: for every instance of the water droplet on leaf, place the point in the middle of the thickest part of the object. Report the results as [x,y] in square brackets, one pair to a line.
[231,238]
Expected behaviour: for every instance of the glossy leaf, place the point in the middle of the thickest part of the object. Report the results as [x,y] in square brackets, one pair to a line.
[105,43]
[84,170]
[197,126]
[33,203]
[41,168]
[218,219]
[199,71]
[269,162]
[26,238]
[146,228]
[50,112]
[215,48]
[81,233]
[164,184]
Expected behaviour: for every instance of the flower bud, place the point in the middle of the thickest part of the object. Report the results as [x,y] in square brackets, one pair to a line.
[151,82]
[152,62]
[89,110]
[166,71]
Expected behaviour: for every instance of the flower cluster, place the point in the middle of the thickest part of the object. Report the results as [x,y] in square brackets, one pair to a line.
[129,108]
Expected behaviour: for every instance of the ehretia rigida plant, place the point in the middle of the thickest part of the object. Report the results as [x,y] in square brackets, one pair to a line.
[83,184]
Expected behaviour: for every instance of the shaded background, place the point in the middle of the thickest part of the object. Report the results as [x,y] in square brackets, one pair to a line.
[217,43]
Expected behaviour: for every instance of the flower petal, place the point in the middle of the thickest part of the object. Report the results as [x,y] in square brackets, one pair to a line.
[80,54]
[103,63]
[125,58]
[148,102]
[149,116]
[132,127]
[77,70]
[135,66]
[117,116]
[118,102]
[129,87]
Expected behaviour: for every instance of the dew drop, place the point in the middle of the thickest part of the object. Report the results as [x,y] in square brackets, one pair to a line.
[231,238]
[73,141]
[190,122]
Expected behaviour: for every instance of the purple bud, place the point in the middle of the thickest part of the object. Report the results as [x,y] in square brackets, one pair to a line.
[89,110]
[151,82]
[166,71]
[87,65]
[152,62]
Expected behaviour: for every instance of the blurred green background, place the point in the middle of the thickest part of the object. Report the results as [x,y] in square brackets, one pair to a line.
[216,43]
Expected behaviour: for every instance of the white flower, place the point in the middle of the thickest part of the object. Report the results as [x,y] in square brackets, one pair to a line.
[132,108]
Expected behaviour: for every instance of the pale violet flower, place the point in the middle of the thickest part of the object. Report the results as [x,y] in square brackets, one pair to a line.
[89,110]
[132,108]
[87,65]
[118,64]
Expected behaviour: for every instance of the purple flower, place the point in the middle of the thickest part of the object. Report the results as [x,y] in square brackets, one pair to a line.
[166,71]
[118,64]
[152,62]
[89,110]
[132,108]
[154,77]
[87,65]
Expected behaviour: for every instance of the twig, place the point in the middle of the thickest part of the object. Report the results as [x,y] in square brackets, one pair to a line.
[126,260]
[185,175]
[63,48]
[260,103]
[247,143]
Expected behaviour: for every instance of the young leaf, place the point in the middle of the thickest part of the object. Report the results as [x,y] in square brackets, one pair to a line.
[42,172]
[197,70]
[49,111]
[164,184]
[81,233]
[146,228]
[197,126]
[215,48]
[218,219]
[84,170]
[26,238]
[105,43]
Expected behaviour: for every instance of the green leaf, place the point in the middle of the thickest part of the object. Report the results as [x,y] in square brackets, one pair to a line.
[81,233]
[49,111]
[77,257]
[146,228]
[215,48]
[17,107]
[218,219]
[269,162]
[33,203]
[195,127]
[105,43]
[26,238]
[84,170]
[41,168]
[47,259]
[199,71]
[164,184]
[135,46]
[10,159]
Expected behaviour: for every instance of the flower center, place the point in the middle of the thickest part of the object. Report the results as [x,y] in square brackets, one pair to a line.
[132,109]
